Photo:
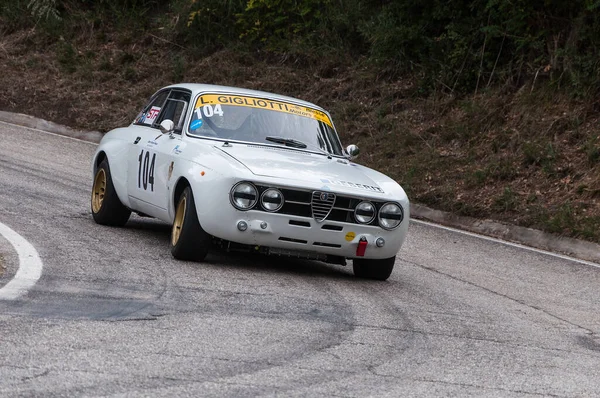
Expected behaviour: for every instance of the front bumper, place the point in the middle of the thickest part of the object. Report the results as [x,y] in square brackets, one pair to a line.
[293,233]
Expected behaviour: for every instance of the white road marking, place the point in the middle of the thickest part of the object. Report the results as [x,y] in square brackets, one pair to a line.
[517,245]
[30,266]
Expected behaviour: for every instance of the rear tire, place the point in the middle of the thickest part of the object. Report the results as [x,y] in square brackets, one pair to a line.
[189,242]
[107,209]
[373,268]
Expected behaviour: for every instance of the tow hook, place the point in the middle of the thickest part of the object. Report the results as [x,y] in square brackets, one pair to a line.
[362,247]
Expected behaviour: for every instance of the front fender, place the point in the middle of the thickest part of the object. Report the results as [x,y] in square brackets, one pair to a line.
[115,146]
[211,174]
[204,182]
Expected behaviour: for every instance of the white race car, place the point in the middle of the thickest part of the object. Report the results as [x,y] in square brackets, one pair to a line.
[247,170]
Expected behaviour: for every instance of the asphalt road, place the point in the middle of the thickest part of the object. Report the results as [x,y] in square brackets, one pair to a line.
[114,314]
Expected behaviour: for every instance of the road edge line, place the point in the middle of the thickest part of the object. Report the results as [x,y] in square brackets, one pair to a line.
[506,243]
[583,250]
[30,266]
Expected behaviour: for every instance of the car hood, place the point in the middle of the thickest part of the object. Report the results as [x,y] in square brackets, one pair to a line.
[291,164]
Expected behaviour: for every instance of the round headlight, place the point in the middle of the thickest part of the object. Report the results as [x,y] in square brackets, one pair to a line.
[364,212]
[272,199]
[243,196]
[390,216]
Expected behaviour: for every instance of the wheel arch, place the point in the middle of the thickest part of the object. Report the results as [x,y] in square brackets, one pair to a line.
[118,169]
[99,159]
[181,184]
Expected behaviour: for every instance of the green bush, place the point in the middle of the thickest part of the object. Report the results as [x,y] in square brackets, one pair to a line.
[14,15]
[207,26]
[462,46]
[308,25]
[469,44]
[276,23]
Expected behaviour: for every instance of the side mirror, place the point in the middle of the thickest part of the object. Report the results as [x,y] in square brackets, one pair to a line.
[167,126]
[352,151]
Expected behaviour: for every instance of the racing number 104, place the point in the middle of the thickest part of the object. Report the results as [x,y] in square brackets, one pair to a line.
[146,170]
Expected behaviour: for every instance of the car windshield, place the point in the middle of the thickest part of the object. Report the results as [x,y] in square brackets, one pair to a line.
[263,121]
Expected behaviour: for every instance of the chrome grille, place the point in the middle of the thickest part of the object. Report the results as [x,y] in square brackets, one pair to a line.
[321,204]
[299,203]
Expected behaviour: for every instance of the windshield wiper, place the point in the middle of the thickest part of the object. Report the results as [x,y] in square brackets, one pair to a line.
[287,142]
[297,144]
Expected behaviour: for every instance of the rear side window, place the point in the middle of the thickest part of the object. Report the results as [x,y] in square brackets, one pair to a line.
[175,109]
[169,104]
[149,114]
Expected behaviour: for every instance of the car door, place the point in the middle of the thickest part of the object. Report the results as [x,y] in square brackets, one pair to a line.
[151,153]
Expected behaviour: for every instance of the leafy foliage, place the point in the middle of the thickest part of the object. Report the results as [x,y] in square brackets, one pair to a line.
[209,25]
[279,22]
[461,46]
[43,9]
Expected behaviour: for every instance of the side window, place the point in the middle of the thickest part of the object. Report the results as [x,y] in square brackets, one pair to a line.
[175,109]
[149,114]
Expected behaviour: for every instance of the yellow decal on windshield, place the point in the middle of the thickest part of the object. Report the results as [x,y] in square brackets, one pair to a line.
[260,103]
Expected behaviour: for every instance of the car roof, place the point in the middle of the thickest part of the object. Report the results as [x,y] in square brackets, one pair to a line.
[196,88]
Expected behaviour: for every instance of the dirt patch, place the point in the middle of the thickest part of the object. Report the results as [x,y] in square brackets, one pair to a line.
[525,156]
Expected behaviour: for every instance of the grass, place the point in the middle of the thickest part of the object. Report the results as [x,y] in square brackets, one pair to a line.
[568,219]
[501,170]
[542,153]
[507,201]
[67,57]
[592,150]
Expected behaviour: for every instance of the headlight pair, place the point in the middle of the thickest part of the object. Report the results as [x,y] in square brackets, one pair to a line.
[390,214]
[244,196]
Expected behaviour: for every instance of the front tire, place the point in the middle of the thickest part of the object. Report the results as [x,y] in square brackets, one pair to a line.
[107,209]
[189,241]
[373,268]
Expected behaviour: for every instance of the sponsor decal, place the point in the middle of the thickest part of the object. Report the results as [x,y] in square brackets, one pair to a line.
[151,115]
[350,236]
[196,124]
[176,150]
[152,143]
[372,188]
[260,103]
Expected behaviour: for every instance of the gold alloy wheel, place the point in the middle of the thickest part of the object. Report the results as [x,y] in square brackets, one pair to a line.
[178,222]
[98,190]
